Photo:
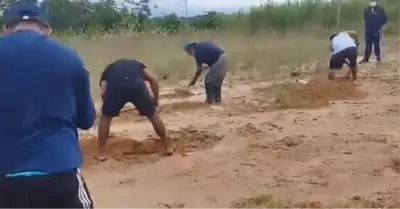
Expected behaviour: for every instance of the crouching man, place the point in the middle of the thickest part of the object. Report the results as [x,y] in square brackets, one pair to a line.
[344,50]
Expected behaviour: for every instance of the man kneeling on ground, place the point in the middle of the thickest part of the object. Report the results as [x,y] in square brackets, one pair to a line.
[344,50]
[121,82]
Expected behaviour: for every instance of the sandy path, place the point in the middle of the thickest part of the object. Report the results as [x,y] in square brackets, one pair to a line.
[320,155]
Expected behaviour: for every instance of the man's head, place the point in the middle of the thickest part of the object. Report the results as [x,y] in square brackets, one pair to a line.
[373,3]
[189,47]
[26,16]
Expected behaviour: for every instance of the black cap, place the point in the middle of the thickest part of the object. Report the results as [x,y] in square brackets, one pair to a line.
[25,11]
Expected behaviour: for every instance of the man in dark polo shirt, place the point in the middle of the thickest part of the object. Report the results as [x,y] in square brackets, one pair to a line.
[45,97]
[216,60]
[121,82]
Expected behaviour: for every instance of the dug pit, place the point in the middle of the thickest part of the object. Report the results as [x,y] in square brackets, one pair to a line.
[178,93]
[182,106]
[129,151]
[318,92]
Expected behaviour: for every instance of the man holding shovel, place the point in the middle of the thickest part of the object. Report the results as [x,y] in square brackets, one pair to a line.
[216,60]
[121,82]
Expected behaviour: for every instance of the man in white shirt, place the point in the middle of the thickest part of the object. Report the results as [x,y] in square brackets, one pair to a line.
[344,50]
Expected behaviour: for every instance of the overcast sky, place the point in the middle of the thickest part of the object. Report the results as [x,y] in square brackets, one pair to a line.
[196,7]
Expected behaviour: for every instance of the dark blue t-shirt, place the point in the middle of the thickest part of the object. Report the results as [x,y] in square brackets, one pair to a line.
[45,97]
[123,73]
[207,53]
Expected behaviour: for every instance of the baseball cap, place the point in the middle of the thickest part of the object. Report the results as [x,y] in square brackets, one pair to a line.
[21,11]
[187,44]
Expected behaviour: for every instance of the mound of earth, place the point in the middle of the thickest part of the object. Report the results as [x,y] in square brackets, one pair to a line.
[318,92]
[127,150]
[120,149]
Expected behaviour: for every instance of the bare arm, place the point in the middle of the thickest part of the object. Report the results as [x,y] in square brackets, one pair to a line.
[196,75]
[154,84]
[103,87]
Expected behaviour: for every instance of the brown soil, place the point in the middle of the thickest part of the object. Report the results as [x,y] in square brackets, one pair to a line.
[318,92]
[129,151]
[278,148]
[182,106]
[178,93]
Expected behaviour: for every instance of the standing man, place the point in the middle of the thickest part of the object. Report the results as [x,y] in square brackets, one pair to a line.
[374,18]
[45,97]
[121,82]
[216,60]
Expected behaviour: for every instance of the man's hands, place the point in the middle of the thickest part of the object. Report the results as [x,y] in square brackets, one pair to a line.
[196,76]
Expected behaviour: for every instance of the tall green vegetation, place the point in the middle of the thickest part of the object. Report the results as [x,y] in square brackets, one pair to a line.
[105,17]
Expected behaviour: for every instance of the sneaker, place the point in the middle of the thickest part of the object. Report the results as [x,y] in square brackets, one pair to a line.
[363,61]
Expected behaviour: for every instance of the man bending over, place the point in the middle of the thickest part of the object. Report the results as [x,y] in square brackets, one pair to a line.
[121,82]
[344,50]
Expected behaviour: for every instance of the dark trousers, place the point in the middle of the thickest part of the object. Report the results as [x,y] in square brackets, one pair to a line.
[213,90]
[372,41]
[58,190]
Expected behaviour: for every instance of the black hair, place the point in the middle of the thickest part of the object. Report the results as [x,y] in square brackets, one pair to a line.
[332,36]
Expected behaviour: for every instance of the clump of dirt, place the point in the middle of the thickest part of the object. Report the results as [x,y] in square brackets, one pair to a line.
[291,141]
[190,139]
[124,149]
[249,128]
[318,92]
[182,106]
[178,93]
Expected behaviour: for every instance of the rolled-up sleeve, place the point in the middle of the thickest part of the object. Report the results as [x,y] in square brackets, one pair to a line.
[86,112]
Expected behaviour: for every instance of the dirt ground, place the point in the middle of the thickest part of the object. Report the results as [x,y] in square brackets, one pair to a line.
[271,144]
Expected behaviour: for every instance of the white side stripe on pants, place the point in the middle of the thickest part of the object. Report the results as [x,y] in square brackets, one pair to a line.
[82,193]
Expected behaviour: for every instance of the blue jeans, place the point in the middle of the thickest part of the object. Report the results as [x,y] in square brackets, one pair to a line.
[213,90]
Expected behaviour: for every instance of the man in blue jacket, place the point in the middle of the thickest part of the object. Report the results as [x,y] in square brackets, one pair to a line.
[45,97]
[216,60]
[374,18]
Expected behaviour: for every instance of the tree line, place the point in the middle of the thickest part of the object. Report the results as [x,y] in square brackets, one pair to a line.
[108,17]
